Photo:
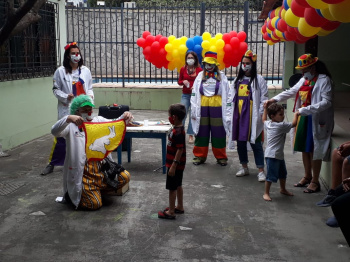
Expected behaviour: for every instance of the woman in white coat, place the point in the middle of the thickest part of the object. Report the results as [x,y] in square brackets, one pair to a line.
[313,103]
[70,80]
[83,181]
[210,110]
[248,94]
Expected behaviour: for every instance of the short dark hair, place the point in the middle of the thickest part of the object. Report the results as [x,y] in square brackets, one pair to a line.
[178,110]
[66,59]
[273,109]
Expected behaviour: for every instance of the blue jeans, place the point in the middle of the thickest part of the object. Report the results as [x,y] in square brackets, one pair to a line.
[186,101]
[257,150]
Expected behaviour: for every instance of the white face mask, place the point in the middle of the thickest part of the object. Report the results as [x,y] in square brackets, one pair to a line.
[75,58]
[209,67]
[308,76]
[87,116]
[190,62]
[246,68]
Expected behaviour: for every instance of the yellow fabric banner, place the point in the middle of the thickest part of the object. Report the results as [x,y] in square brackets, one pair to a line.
[103,138]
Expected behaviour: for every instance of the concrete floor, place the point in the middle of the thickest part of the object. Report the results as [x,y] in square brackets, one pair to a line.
[229,219]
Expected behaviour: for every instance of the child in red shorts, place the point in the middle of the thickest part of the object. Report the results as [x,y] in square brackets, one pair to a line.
[175,162]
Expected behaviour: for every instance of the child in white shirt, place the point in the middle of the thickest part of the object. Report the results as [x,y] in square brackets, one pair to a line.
[276,131]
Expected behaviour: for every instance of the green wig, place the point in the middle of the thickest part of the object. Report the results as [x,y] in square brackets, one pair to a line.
[80,101]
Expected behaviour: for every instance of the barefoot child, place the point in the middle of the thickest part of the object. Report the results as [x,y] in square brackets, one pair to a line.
[175,162]
[276,131]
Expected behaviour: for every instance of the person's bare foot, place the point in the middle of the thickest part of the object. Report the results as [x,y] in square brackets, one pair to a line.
[286,192]
[267,197]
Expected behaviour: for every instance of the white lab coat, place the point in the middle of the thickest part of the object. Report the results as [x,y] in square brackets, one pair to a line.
[196,103]
[62,87]
[321,110]
[75,156]
[259,96]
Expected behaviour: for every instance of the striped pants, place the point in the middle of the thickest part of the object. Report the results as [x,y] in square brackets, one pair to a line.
[211,125]
[94,183]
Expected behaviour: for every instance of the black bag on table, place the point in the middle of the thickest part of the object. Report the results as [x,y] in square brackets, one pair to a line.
[113,112]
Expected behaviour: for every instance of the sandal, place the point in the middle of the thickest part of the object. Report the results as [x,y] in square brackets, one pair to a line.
[177,211]
[198,160]
[222,162]
[308,180]
[164,215]
[310,191]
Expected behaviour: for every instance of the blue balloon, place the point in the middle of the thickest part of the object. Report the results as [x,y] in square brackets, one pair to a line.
[198,49]
[190,43]
[197,40]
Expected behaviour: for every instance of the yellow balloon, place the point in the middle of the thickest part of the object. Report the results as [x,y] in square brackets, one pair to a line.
[307,30]
[171,38]
[220,44]
[171,66]
[283,13]
[212,41]
[176,43]
[222,65]
[183,40]
[206,36]
[277,11]
[279,33]
[269,42]
[218,36]
[273,21]
[317,4]
[341,11]
[168,47]
[323,32]
[274,38]
[182,49]
[327,14]
[205,44]
[213,49]
[221,55]
[289,2]
[291,19]
[268,31]
[175,53]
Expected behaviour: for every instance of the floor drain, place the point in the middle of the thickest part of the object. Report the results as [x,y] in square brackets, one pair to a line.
[8,188]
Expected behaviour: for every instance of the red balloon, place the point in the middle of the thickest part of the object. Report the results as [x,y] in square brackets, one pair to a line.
[269,25]
[163,41]
[272,14]
[233,34]
[274,34]
[243,46]
[297,9]
[227,49]
[158,37]
[282,25]
[313,18]
[242,36]
[145,34]
[146,51]
[266,36]
[234,42]
[303,3]
[263,28]
[149,40]
[155,47]
[226,37]
[332,2]
[331,25]
[289,36]
[141,42]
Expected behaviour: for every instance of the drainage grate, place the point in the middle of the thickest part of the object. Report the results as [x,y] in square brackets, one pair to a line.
[8,188]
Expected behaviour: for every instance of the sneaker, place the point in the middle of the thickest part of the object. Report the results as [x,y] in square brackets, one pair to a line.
[243,172]
[261,177]
[48,169]
[332,222]
[327,201]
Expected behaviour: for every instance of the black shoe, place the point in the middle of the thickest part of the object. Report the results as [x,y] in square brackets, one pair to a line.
[48,169]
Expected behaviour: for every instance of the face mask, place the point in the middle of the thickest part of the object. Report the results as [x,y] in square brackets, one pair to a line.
[171,120]
[87,116]
[246,68]
[308,76]
[190,62]
[209,67]
[75,58]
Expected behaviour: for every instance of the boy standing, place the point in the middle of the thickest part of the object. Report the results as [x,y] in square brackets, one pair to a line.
[175,162]
[276,131]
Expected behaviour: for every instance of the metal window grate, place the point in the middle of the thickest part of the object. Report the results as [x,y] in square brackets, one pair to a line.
[8,188]
[32,53]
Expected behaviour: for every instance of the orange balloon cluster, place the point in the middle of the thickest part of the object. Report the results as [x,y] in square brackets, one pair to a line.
[301,20]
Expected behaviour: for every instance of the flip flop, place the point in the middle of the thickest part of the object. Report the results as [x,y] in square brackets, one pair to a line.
[310,191]
[308,180]
[164,215]
[177,211]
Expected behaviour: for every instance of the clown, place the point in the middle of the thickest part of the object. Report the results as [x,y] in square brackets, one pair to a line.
[248,92]
[70,80]
[210,111]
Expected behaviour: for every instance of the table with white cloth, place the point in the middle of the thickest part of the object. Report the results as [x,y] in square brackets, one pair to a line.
[151,131]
